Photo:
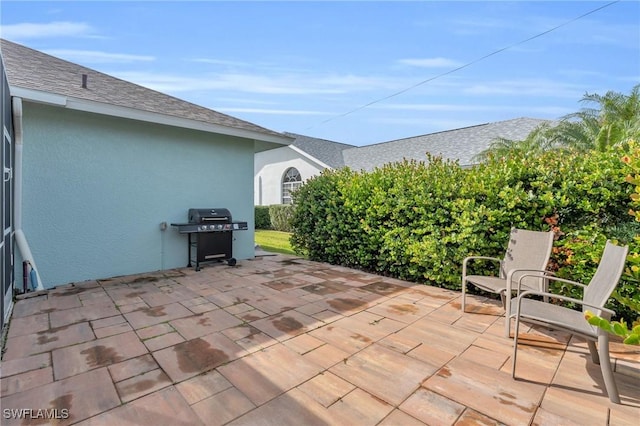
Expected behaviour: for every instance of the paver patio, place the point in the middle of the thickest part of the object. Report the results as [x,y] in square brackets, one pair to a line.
[280,340]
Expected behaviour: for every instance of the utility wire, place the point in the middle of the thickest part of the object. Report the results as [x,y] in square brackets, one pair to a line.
[468,64]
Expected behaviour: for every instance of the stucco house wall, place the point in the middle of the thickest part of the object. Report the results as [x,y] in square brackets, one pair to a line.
[270,167]
[97,188]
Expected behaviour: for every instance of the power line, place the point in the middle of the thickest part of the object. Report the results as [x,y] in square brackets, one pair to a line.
[468,64]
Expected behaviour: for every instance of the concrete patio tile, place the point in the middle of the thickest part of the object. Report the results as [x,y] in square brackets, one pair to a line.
[341,338]
[293,408]
[326,388]
[46,340]
[29,305]
[27,380]
[402,344]
[84,313]
[326,356]
[196,356]
[252,315]
[433,356]
[367,325]
[222,407]
[485,357]
[286,325]
[132,367]
[362,408]
[400,418]
[99,297]
[145,317]
[163,341]
[439,336]
[124,309]
[543,418]
[166,407]
[472,417]
[238,308]
[384,373]
[76,359]
[108,322]
[253,383]
[21,365]
[204,307]
[260,376]
[154,330]
[206,323]
[143,384]
[59,303]
[303,343]
[490,392]
[28,325]
[592,410]
[112,330]
[202,386]
[401,310]
[431,408]
[84,395]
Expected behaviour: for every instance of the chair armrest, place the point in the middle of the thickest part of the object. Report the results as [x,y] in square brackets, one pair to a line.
[467,259]
[551,278]
[560,297]
[540,273]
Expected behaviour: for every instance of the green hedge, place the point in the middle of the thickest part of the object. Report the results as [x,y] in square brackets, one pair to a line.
[262,219]
[417,222]
[280,216]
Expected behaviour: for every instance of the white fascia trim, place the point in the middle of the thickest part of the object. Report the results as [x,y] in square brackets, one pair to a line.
[310,157]
[136,114]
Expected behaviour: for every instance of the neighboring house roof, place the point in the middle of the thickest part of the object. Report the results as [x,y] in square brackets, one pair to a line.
[328,152]
[37,76]
[458,144]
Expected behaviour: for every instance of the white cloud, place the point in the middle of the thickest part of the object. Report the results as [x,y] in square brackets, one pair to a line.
[29,30]
[96,57]
[271,111]
[525,87]
[285,84]
[430,62]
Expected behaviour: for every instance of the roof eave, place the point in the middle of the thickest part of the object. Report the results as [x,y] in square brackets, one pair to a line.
[38,96]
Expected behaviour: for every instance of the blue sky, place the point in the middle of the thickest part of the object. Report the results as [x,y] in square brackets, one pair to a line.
[310,67]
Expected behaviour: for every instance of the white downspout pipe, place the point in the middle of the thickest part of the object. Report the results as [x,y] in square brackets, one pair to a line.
[21,240]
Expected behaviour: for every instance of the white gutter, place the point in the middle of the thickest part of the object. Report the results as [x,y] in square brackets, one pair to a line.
[21,240]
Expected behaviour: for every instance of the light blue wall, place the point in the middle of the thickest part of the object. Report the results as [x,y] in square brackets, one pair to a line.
[96,189]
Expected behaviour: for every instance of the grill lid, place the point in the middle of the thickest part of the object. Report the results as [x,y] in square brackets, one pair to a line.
[209,215]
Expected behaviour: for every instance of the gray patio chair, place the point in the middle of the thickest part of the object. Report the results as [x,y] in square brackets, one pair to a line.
[527,252]
[557,317]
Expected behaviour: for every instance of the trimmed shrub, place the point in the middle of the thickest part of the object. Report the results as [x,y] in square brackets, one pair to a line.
[262,219]
[418,221]
[280,216]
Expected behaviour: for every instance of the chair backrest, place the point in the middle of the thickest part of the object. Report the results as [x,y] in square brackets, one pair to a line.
[606,277]
[527,250]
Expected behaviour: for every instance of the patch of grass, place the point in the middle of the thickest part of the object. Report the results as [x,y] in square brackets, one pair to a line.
[274,241]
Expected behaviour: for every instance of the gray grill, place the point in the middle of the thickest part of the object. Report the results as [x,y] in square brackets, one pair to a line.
[210,235]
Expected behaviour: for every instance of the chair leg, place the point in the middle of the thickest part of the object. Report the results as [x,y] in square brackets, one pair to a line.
[605,367]
[593,351]
[506,298]
[515,345]
[464,293]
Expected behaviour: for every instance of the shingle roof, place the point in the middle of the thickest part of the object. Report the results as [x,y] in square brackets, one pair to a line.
[328,152]
[458,144]
[30,69]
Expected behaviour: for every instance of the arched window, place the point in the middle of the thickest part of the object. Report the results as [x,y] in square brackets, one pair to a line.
[290,182]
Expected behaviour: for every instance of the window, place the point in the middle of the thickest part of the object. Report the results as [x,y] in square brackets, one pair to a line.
[290,182]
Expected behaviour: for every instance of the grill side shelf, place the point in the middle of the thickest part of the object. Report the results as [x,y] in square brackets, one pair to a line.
[191,228]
